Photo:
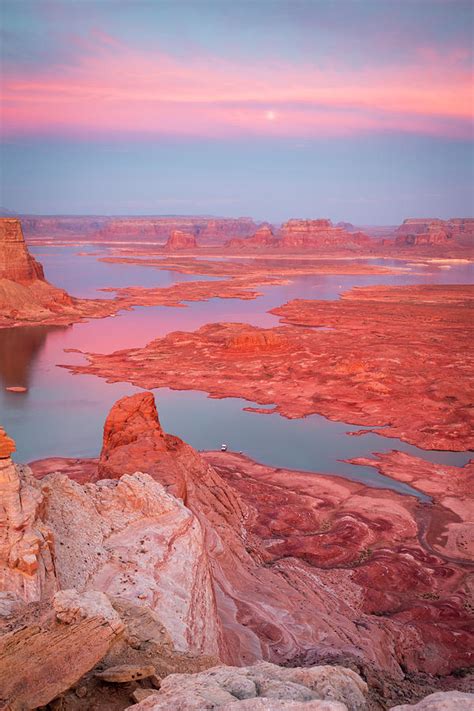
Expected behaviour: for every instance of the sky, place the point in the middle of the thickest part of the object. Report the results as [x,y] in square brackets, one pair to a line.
[357,110]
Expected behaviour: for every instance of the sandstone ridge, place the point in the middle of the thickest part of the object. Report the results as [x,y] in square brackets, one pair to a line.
[106,581]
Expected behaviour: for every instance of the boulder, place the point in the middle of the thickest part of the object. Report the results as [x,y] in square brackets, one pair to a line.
[261,686]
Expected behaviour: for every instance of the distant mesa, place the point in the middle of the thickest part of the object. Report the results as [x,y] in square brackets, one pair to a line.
[304,234]
[263,237]
[206,230]
[347,226]
[181,240]
[417,231]
[320,233]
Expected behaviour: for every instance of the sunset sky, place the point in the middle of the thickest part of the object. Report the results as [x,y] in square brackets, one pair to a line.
[350,109]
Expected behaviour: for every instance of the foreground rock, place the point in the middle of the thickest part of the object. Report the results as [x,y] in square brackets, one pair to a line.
[261,686]
[376,362]
[441,701]
[45,656]
[306,567]
[249,563]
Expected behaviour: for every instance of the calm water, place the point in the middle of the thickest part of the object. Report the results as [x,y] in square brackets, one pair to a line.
[63,414]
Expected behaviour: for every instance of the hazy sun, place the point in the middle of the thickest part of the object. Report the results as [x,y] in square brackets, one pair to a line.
[271,115]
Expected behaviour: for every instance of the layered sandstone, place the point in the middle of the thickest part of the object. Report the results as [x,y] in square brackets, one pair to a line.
[16,264]
[61,227]
[375,362]
[180,240]
[319,234]
[263,237]
[246,563]
[307,567]
[26,543]
[416,232]
[158,229]
[51,647]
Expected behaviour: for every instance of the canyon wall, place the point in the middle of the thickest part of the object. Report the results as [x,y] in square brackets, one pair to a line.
[205,230]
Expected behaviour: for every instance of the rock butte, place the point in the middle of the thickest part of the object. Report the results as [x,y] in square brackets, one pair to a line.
[360,371]
[181,240]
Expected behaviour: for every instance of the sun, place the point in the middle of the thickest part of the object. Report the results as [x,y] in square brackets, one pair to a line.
[270,115]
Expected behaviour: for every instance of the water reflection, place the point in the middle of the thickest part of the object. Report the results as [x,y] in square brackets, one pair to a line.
[19,349]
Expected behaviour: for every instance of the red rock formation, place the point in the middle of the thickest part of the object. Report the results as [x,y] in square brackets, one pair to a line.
[319,234]
[26,544]
[61,227]
[7,445]
[307,531]
[263,237]
[322,371]
[180,240]
[158,229]
[16,264]
[419,232]
[24,292]
[132,437]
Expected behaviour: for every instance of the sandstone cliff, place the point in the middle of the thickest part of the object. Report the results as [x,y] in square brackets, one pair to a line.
[16,264]
[158,229]
[263,237]
[106,585]
[320,234]
[180,240]
[416,232]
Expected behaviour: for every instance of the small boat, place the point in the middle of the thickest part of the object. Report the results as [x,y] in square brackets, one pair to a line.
[223,448]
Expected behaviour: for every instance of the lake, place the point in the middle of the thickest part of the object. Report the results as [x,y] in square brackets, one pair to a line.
[63,414]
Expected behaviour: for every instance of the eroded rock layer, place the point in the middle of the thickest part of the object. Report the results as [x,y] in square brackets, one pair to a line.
[367,359]
[181,240]
[307,567]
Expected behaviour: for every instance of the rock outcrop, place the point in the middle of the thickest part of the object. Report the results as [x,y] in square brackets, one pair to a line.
[263,237]
[52,648]
[441,701]
[181,240]
[422,232]
[247,563]
[319,234]
[24,292]
[382,388]
[16,263]
[267,556]
[262,686]
[26,544]
[158,229]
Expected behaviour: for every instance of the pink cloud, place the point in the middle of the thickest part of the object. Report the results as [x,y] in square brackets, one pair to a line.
[112,89]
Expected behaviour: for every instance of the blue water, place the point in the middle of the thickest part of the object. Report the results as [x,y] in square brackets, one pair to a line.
[62,414]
